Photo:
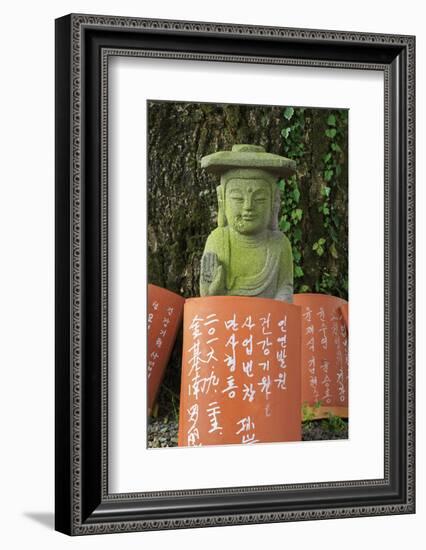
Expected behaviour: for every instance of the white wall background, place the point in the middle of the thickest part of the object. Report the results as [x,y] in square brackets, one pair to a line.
[27,272]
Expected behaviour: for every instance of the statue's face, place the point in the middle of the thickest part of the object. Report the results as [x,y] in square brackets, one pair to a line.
[248,205]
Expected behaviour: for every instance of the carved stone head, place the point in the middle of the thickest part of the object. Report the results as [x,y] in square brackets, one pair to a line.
[248,196]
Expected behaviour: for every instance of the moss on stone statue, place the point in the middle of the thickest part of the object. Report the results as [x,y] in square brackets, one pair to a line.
[246,255]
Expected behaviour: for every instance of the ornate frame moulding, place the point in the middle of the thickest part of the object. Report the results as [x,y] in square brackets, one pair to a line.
[84,44]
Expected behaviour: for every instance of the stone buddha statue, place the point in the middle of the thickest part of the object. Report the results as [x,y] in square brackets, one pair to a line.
[246,255]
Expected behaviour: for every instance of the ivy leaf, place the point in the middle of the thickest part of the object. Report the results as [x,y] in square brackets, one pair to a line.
[304,288]
[297,214]
[325,191]
[328,174]
[281,185]
[327,157]
[331,132]
[318,246]
[297,235]
[296,194]
[285,132]
[296,255]
[284,225]
[331,120]
[333,251]
[288,113]
[336,148]
[298,271]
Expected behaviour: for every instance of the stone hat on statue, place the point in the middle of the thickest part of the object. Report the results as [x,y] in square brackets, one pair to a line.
[246,162]
[243,156]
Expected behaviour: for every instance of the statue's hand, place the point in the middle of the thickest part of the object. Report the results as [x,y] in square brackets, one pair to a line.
[212,275]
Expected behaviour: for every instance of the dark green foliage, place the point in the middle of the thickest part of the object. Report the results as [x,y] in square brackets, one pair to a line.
[314,212]
[334,423]
[309,413]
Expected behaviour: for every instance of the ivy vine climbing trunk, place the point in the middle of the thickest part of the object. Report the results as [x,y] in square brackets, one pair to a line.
[315,201]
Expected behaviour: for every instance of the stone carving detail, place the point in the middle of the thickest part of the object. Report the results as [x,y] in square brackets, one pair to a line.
[246,255]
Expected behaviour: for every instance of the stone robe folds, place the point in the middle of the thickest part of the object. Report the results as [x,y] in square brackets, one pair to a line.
[275,278]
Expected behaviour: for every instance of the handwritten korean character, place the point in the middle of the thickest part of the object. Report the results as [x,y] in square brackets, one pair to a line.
[281,381]
[264,365]
[248,392]
[248,344]
[282,324]
[307,315]
[266,344]
[265,384]
[265,322]
[248,368]
[230,387]
[232,324]
[248,323]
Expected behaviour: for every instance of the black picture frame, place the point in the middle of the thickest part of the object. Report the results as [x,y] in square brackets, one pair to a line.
[83,46]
